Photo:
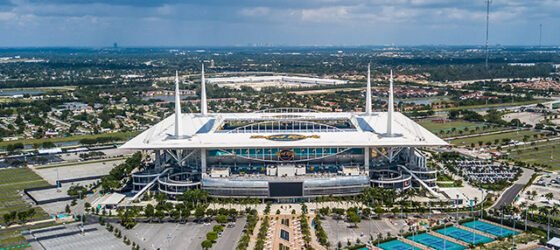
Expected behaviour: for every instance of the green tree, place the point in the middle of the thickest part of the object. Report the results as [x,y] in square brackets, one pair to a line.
[212,236]
[149,211]
[206,244]
[222,219]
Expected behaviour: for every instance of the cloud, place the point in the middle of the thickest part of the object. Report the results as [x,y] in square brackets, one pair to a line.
[223,22]
[255,11]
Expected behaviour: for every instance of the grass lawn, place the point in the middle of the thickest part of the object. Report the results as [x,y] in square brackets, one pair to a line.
[518,136]
[495,105]
[122,135]
[452,128]
[539,153]
[436,126]
[14,180]
[444,177]
[448,185]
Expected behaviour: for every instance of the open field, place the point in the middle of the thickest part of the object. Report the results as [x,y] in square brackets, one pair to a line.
[457,124]
[14,180]
[452,128]
[517,136]
[494,105]
[123,136]
[542,153]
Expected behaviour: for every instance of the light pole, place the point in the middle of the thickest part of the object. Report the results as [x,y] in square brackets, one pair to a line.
[502,222]
[526,208]
[481,203]
[513,238]
[548,228]
[82,217]
[457,207]
[429,211]
[445,232]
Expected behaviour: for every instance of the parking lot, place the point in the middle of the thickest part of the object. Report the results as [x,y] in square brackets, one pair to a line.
[55,193]
[76,171]
[171,235]
[535,194]
[340,231]
[70,237]
[107,153]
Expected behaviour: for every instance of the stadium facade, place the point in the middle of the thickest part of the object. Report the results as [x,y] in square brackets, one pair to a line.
[284,153]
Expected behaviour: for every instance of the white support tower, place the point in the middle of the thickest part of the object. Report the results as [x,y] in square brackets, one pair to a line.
[390,107]
[178,127]
[368,91]
[203,104]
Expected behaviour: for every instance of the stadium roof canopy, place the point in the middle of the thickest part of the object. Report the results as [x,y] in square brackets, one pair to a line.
[205,132]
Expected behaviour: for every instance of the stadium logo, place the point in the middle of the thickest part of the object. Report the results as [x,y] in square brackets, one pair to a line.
[284,137]
[286,155]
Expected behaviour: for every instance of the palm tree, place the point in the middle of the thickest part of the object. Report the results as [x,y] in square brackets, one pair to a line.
[534,193]
[532,208]
[549,196]
[524,205]
[553,213]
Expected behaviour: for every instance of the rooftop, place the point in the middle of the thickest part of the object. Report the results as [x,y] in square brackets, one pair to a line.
[206,131]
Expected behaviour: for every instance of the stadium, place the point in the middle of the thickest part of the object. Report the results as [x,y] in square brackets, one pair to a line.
[281,81]
[283,154]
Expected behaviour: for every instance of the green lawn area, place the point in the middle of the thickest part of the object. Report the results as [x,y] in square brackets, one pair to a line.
[539,153]
[496,105]
[436,126]
[13,181]
[518,136]
[452,128]
[122,135]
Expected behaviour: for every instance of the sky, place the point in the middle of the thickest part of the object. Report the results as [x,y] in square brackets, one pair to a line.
[133,23]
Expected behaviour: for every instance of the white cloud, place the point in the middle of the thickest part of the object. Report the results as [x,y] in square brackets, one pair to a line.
[330,14]
[255,12]
[7,16]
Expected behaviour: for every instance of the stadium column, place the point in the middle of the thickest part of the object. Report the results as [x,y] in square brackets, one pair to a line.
[203,161]
[366,158]
[158,159]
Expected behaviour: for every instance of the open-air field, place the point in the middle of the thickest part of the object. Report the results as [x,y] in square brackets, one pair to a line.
[455,127]
[13,181]
[542,153]
[497,139]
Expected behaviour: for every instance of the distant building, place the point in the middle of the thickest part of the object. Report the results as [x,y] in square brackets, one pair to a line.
[478,95]
[522,64]
[75,106]
[259,82]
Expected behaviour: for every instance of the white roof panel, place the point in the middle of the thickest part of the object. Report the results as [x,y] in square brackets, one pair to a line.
[200,132]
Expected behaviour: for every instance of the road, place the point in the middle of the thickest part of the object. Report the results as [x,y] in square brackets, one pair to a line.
[231,236]
[509,195]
